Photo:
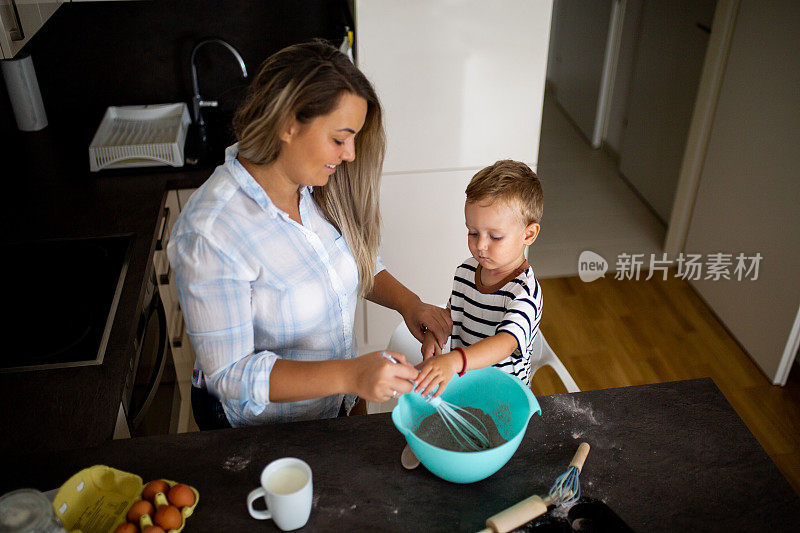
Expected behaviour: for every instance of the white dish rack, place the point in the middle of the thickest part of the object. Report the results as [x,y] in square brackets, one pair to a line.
[140,136]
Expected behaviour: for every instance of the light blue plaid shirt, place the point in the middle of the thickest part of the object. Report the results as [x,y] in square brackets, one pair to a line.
[255,286]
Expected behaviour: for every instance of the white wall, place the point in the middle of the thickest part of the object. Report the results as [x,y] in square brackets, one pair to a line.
[461,82]
[749,191]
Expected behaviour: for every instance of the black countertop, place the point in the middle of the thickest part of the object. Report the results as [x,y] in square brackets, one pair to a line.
[50,193]
[664,457]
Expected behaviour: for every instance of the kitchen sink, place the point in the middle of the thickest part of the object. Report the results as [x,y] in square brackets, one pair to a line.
[219,135]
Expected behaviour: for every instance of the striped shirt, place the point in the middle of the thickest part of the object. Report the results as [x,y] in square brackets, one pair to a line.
[256,286]
[513,305]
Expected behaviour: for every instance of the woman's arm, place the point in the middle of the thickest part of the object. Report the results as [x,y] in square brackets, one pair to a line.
[371,376]
[418,315]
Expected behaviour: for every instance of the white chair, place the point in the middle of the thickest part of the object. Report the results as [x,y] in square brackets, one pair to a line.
[543,355]
[404,342]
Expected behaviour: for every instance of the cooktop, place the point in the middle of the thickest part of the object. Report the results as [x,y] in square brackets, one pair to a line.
[61,295]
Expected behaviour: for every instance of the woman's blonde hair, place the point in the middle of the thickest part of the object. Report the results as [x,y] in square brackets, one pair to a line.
[305,81]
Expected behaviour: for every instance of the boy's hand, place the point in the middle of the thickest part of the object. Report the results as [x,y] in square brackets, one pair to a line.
[437,371]
[430,347]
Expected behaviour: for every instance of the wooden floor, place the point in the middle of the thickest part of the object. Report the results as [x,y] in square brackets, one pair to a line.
[611,333]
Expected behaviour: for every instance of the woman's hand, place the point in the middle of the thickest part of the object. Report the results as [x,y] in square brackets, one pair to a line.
[376,377]
[430,348]
[437,371]
[422,317]
[418,316]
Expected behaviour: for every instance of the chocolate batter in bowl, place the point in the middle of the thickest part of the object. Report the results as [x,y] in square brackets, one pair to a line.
[504,398]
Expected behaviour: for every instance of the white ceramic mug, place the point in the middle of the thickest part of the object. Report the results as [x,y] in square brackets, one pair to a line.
[286,486]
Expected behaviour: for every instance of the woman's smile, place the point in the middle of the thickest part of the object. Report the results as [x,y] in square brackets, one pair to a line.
[309,148]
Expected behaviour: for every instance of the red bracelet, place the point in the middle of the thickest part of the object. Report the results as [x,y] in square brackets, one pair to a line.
[464,359]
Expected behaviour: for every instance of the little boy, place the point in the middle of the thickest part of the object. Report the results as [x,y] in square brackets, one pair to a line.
[496,303]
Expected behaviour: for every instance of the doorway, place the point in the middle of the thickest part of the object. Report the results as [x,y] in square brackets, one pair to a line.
[625,74]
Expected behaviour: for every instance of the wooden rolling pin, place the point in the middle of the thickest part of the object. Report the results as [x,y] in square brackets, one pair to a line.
[516,515]
[532,507]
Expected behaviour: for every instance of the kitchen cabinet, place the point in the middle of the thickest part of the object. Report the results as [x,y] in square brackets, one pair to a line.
[76,407]
[183,196]
[462,86]
[461,83]
[20,20]
[182,354]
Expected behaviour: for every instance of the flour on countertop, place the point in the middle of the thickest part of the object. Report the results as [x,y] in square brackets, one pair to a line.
[561,511]
[572,406]
[235,463]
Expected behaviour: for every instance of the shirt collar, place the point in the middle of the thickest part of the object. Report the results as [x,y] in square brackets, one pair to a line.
[251,187]
[247,182]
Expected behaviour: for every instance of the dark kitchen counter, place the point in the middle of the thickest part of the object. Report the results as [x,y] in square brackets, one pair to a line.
[664,457]
[83,65]
[50,194]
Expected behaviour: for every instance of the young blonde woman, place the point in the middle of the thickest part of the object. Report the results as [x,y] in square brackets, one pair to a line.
[272,251]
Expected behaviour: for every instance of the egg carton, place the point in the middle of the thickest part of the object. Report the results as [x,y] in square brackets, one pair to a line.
[140,136]
[97,500]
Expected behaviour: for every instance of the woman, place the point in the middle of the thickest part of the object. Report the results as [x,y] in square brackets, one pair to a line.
[272,251]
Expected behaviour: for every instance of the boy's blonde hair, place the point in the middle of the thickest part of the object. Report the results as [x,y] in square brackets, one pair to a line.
[302,82]
[511,182]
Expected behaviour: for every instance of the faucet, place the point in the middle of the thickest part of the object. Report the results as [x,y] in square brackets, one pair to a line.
[197,101]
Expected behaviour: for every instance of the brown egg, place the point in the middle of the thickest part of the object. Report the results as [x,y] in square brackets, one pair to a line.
[153,529]
[127,527]
[157,485]
[168,517]
[138,509]
[181,495]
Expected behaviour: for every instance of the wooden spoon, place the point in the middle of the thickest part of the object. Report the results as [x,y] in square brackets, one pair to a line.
[408,458]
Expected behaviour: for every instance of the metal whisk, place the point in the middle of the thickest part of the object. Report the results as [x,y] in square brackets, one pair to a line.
[466,429]
[567,488]
[458,421]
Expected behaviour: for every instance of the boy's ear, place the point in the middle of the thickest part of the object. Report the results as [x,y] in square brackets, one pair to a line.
[531,232]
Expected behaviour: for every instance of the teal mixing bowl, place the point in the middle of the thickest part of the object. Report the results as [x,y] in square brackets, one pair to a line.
[502,396]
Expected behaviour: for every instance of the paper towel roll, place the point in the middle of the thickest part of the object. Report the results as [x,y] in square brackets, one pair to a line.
[23,91]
